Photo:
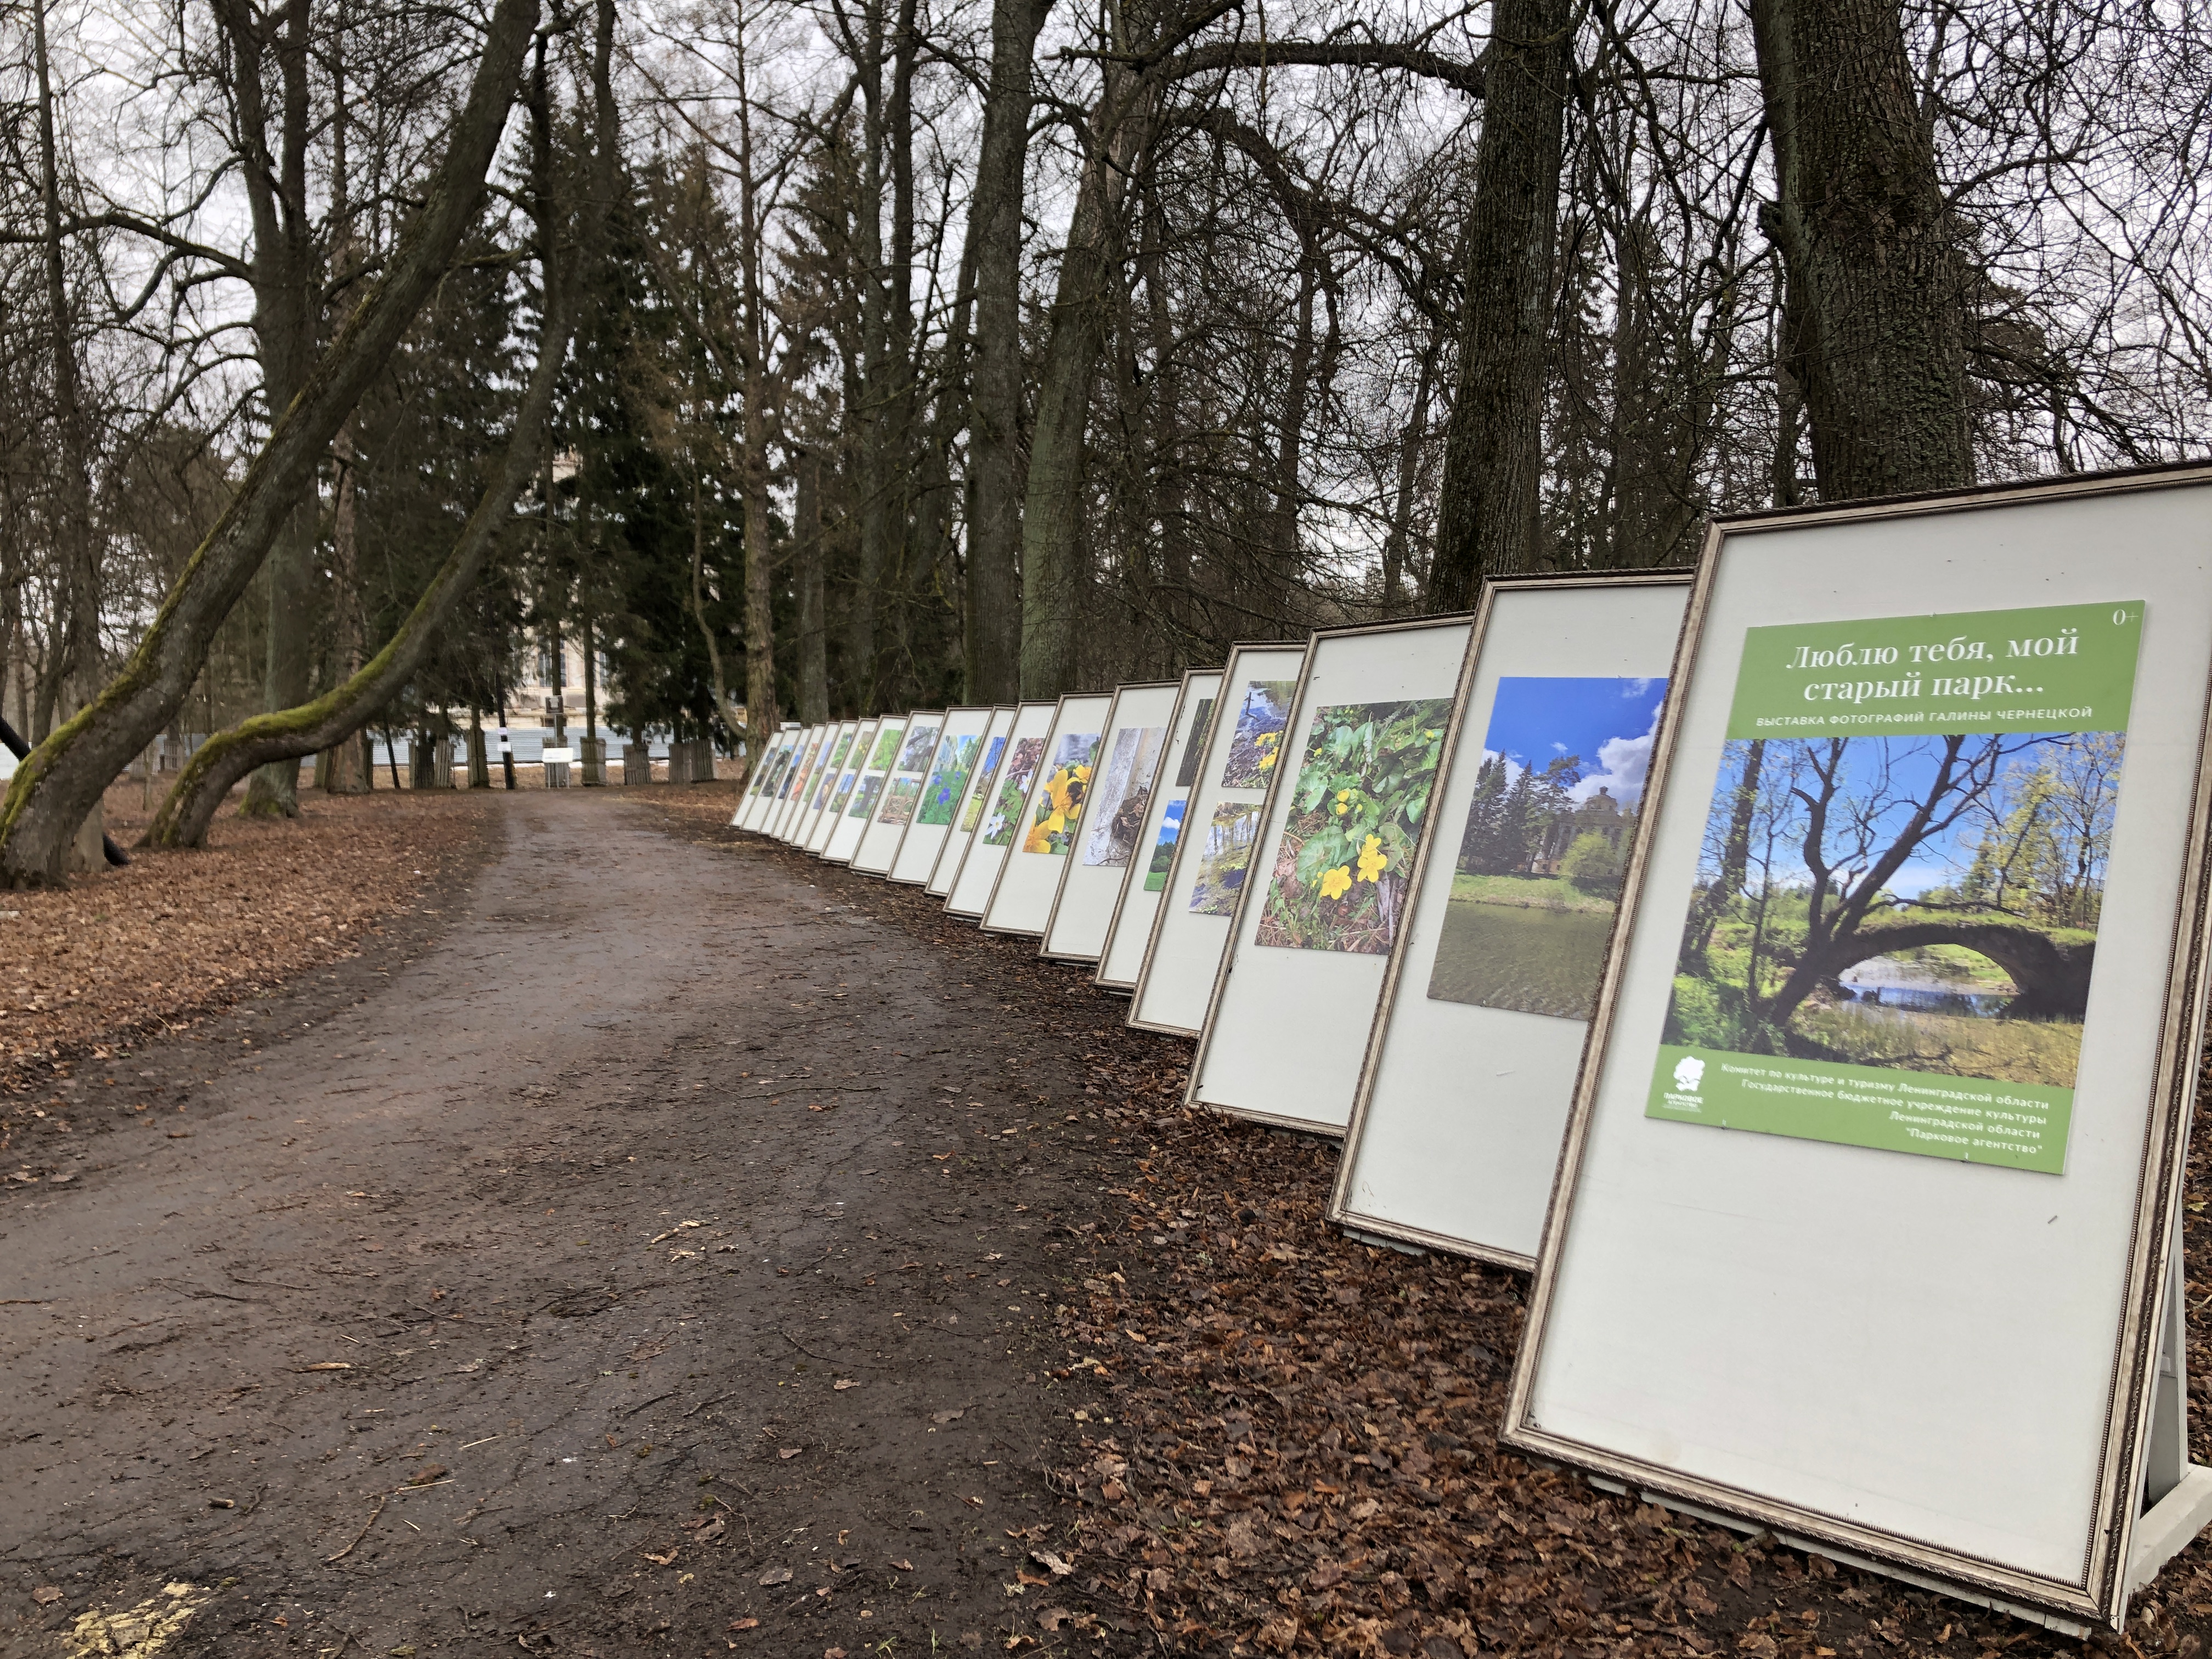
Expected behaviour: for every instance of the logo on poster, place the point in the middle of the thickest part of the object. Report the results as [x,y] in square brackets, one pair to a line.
[1689,1077]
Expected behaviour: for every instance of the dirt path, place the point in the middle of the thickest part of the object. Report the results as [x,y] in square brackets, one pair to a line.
[585,1273]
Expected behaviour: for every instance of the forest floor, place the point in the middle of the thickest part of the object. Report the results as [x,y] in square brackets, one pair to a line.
[649,1237]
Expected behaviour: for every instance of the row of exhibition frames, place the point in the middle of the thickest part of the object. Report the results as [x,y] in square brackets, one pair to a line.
[1967,1375]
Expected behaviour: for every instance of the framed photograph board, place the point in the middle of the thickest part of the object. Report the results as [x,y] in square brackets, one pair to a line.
[761,788]
[999,821]
[842,787]
[977,795]
[1130,926]
[902,792]
[825,781]
[1863,1224]
[1110,831]
[1462,1098]
[1295,989]
[801,779]
[868,790]
[1221,822]
[959,746]
[1051,814]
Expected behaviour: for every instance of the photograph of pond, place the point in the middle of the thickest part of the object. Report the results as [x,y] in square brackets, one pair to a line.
[1060,797]
[1221,860]
[1363,787]
[1539,859]
[898,805]
[1925,904]
[1193,741]
[989,769]
[920,744]
[1014,783]
[1258,739]
[1156,872]
[1124,790]
[941,795]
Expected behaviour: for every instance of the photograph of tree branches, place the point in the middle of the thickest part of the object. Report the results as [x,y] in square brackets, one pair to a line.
[1930,903]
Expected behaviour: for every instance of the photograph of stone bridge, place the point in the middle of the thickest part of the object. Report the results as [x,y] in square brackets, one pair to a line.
[1925,903]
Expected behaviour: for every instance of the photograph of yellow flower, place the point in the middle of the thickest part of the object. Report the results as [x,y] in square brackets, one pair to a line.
[1014,784]
[1258,739]
[1362,788]
[1061,796]
[1222,859]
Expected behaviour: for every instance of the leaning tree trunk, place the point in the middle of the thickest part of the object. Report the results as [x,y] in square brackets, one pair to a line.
[1876,281]
[65,776]
[994,230]
[1488,519]
[290,734]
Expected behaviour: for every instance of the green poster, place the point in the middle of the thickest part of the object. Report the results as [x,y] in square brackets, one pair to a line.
[1894,924]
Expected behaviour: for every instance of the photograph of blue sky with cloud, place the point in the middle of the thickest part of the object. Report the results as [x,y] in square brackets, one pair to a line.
[1537,875]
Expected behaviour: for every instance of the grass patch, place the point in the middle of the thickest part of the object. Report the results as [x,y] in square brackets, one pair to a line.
[1529,893]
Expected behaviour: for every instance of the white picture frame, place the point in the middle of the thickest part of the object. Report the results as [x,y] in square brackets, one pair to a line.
[867,790]
[1030,875]
[799,782]
[1130,926]
[761,789]
[842,786]
[1461,1103]
[1183,950]
[1110,836]
[2008,1425]
[902,790]
[946,868]
[959,746]
[840,743]
[1307,949]
[997,824]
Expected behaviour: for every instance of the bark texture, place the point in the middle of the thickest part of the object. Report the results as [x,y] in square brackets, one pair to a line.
[1876,328]
[995,229]
[1487,516]
[65,775]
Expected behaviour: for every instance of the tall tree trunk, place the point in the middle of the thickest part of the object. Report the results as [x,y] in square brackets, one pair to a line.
[1052,518]
[1876,277]
[813,608]
[64,777]
[286,311]
[871,417]
[76,670]
[1397,546]
[343,769]
[752,471]
[1488,518]
[994,230]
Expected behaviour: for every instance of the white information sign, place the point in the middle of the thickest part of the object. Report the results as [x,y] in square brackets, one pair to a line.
[868,790]
[902,793]
[997,823]
[1863,1223]
[977,795]
[1110,840]
[846,779]
[944,786]
[1130,926]
[1044,835]
[1221,823]
[762,782]
[1455,1127]
[799,780]
[1326,892]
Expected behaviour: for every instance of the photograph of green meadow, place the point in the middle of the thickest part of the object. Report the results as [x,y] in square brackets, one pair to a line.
[1357,808]
[1539,859]
[1928,903]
